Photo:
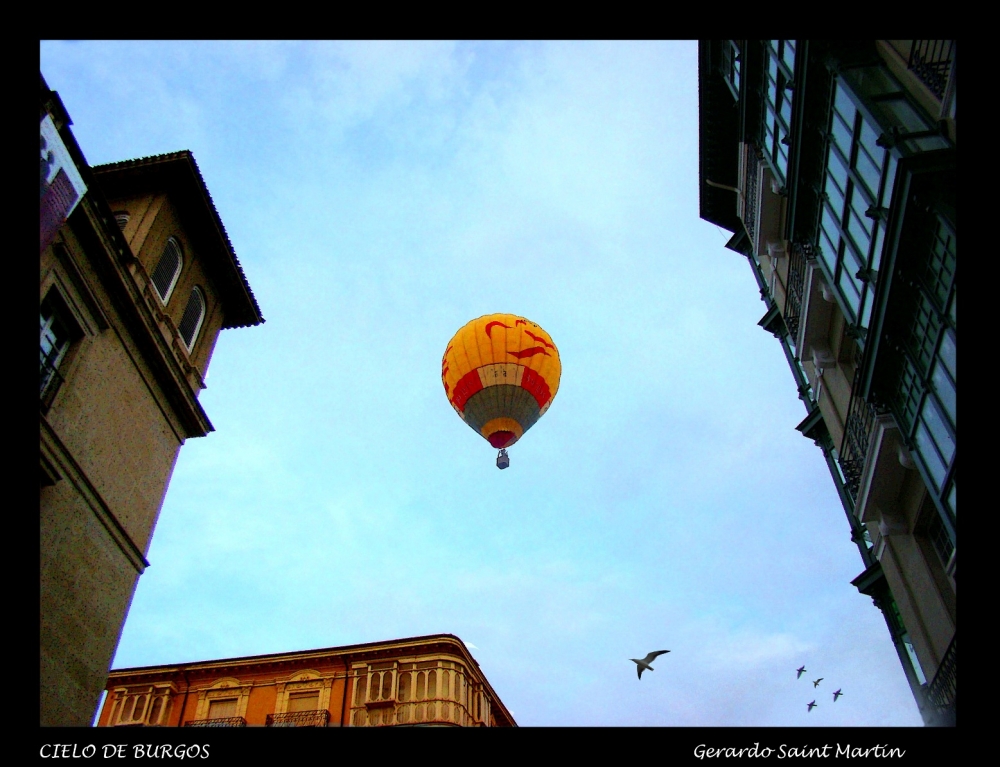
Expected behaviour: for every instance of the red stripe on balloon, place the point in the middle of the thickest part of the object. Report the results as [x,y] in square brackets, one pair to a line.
[536,386]
[491,325]
[539,339]
[529,352]
[465,388]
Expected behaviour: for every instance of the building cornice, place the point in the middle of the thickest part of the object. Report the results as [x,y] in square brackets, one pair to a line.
[348,654]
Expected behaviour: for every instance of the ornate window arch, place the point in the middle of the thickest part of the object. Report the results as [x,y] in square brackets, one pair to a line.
[305,691]
[226,699]
[168,269]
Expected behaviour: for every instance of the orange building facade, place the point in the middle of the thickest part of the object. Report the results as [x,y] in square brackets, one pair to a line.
[420,681]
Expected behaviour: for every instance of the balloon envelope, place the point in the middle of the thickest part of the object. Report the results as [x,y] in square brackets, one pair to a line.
[501,373]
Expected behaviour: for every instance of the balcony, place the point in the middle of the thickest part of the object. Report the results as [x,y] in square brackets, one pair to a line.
[796,287]
[316,718]
[749,184]
[931,61]
[857,440]
[434,711]
[226,721]
[941,693]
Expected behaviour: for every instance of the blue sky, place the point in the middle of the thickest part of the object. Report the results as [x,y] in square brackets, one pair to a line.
[379,196]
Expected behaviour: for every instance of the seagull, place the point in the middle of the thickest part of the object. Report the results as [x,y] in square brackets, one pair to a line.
[800,671]
[811,706]
[643,664]
[816,683]
[836,695]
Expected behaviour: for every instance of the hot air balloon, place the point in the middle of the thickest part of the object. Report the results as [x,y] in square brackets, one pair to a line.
[501,373]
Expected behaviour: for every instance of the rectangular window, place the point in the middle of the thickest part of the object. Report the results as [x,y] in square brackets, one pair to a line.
[943,439]
[842,135]
[222,709]
[868,303]
[935,466]
[56,336]
[303,701]
[834,193]
[731,63]
[945,389]
[827,248]
[856,227]
[869,141]
[857,169]
[837,168]
[850,288]
[940,539]
[947,353]
[877,252]
[778,106]
[870,172]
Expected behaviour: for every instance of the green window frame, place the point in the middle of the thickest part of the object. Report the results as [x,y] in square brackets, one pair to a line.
[732,66]
[858,182]
[779,79]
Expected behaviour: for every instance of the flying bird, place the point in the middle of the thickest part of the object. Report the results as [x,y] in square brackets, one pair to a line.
[816,683]
[836,695]
[800,671]
[643,664]
[811,706]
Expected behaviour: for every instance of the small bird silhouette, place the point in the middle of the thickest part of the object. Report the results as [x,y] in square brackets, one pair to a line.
[800,671]
[836,695]
[811,706]
[816,683]
[643,664]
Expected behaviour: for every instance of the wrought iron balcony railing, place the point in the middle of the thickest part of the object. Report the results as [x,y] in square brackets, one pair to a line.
[796,286]
[858,428]
[225,721]
[317,718]
[51,380]
[931,61]
[751,203]
[942,691]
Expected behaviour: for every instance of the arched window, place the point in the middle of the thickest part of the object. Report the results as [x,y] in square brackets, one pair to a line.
[194,313]
[168,269]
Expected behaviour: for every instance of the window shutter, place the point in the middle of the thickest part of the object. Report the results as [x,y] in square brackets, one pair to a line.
[165,274]
[222,709]
[191,321]
[303,701]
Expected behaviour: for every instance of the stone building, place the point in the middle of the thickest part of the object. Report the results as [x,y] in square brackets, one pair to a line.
[138,278]
[833,165]
[429,680]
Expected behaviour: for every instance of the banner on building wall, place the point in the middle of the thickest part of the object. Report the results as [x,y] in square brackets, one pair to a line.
[61,186]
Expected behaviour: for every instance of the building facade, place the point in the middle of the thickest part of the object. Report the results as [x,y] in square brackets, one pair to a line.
[138,278]
[833,166]
[429,681]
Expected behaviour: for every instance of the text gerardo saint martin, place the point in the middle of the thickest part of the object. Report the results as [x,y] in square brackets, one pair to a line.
[785,751]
